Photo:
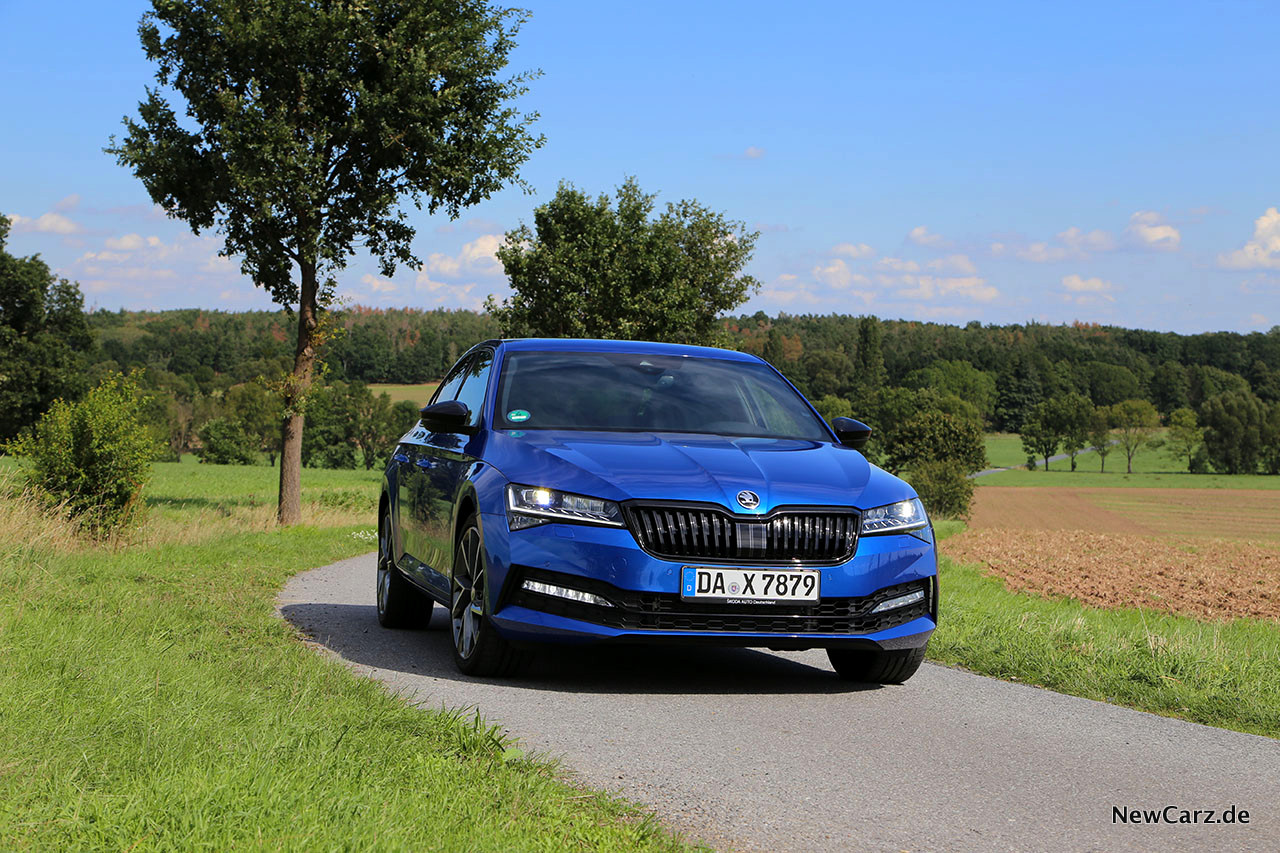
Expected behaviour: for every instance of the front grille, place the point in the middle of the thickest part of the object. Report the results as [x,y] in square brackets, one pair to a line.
[651,611]
[707,533]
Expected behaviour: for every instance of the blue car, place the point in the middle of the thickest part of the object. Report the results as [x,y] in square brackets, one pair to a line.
[614,491]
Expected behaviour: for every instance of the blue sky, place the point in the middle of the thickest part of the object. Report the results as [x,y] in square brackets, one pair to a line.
[1113,163]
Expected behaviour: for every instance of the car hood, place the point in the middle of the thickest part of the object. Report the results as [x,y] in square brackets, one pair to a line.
[690,467]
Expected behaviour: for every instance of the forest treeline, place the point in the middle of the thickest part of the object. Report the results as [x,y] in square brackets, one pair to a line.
[203,366]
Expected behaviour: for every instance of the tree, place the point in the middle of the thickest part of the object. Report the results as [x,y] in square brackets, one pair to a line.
[1100,435]
[958,378]
[831,407]
[1111,383]
[377,423]
[43,339]
[1233,433]
[224,441]
[1186,436]
[305,125]
[827,372]
[588,269]
[1071,415]
[934,436]
[870,374]
[1040,434]
[1017,392]
[1135,423]
[1270,455]
[258,411]
[91,458]
[1169,387]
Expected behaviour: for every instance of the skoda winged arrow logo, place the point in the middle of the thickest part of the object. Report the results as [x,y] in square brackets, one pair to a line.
[749,500]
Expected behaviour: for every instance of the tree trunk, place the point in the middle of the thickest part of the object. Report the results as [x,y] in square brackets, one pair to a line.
[289,507]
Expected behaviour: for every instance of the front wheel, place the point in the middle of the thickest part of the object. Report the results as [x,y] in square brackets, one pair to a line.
[478,648]
[882,666]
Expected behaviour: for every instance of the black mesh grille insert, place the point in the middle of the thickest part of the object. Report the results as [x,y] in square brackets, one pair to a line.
[805,536]
[650,611]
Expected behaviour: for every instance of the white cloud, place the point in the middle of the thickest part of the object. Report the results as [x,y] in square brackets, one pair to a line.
[898,265]
[921,236]
[68,204]
[1083,291]
[475,258]
[1085,242]
[378,285]
[929,287]
[103,257]
[953,263]
[853,250]
[46,223]
[838,274]
[1078,285]
[1256,319]
[753,153]
[127,243]
[442,264]
[1263,251]
[1041,253]
[1149,230]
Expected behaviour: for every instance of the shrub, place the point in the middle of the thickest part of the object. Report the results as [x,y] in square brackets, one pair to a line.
[225,442]
[933,436]
[91,458]
[944,487]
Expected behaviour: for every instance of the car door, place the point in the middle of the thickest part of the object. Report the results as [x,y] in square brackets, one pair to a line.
[416,501]
[441,464]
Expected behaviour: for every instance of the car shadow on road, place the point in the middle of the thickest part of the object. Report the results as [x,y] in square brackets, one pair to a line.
[352,631]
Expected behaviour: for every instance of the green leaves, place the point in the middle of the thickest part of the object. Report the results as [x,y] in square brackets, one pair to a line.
[306,123]
[90,459]
[590,269]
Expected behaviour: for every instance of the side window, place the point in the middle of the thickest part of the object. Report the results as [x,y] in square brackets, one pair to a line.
[448,389]
[477,380]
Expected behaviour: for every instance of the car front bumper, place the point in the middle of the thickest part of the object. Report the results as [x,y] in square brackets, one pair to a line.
[643,592]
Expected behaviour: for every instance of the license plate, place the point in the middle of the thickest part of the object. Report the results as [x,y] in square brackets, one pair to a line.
[707,583]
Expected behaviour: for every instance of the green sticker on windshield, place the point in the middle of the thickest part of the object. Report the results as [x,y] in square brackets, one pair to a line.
[518,415]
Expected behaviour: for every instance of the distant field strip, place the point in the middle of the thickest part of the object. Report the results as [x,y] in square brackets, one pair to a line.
[417,394]
[1245,514]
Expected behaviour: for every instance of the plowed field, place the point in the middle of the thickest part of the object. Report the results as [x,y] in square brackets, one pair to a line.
[1211,554]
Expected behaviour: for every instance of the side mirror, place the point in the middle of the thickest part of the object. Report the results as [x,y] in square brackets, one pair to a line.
[851,433]
[449,416]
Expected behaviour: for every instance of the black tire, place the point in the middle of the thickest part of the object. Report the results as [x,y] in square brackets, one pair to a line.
[888,666]
[400,603]
[478,648]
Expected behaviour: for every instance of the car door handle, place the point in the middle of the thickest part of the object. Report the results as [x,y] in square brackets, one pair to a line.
[400,457]
[426,463]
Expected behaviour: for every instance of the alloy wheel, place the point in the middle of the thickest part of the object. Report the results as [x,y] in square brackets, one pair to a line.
[467,606]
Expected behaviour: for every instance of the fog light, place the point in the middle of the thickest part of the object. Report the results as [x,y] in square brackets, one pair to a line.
[566,593]
[900,601]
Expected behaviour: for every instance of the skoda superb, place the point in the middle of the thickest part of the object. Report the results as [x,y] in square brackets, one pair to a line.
[586,491]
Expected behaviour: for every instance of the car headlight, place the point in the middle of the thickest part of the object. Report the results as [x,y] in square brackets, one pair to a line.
[902,517]
[528,506]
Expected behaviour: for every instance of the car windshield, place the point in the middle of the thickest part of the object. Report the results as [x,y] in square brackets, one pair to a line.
[633,392]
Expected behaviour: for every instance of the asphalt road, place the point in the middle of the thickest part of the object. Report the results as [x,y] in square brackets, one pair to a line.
[756,750]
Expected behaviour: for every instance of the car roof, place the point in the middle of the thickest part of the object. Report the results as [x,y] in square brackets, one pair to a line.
[639,347]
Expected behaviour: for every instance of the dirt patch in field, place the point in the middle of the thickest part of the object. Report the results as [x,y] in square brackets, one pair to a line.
[1238,514]
[1162,549]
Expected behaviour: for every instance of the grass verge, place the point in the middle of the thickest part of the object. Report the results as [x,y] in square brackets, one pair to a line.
[151,700]
[1220,674]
